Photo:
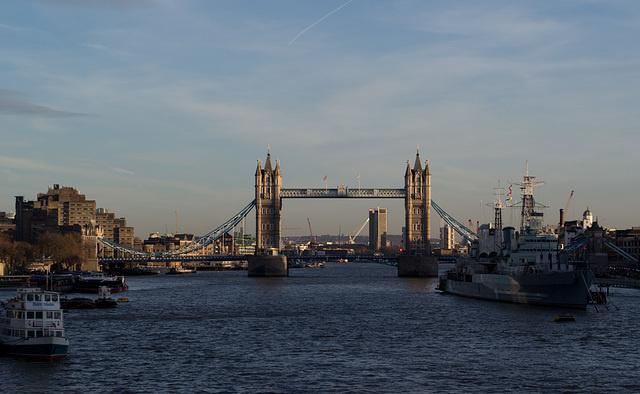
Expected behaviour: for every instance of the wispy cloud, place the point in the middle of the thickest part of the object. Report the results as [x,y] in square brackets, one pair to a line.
[13,103]
[101,3]
[106,49]
[123,171]
[13,28]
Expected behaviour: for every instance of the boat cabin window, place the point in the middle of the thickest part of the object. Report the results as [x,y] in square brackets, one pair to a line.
[29,297]
[39,334]
[58,333]
[31,334]
[30,315]
[56,315]
[39,315]
[37,297]
[49,315]
[54,297]
[47,297]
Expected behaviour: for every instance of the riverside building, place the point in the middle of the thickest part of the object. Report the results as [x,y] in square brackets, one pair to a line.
[63,209]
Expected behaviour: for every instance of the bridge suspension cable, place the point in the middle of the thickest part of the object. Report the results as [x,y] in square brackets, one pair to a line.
[457,226]
[199,243]
[620,252]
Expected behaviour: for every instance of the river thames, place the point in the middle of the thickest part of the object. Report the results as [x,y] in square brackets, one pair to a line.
[349,327]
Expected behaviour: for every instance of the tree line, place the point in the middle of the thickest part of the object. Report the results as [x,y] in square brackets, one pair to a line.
[65,251]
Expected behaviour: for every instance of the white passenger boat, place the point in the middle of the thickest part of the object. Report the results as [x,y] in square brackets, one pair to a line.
[31,325]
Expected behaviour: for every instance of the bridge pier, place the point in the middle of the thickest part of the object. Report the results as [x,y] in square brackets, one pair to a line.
[267,266]
[417,266]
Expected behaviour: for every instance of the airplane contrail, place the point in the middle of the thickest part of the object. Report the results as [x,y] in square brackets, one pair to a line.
[318,21]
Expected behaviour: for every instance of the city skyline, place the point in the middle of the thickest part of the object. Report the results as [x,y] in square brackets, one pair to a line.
[157,107]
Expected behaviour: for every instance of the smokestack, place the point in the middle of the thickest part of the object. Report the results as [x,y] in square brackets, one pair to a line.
[561,217]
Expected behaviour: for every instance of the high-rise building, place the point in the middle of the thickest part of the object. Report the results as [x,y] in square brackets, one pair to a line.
[447,237]
[377,228]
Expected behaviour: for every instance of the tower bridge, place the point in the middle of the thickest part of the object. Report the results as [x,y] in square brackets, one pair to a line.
[416,193]
[269,194]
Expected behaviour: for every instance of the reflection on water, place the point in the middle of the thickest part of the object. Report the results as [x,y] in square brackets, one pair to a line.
[352,326]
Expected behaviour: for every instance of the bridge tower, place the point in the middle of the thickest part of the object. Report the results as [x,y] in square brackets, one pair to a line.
[417,183]
[268,207]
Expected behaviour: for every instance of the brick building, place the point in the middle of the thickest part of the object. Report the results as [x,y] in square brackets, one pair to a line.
[63,210]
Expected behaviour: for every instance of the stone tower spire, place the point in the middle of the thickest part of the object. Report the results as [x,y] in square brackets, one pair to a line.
[417,208]
[417,166]
[268,207]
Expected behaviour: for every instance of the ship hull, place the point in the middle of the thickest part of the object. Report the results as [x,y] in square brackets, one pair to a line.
[569,289]
[46,348]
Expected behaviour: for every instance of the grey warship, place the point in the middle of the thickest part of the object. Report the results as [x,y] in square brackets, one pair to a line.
[529,266]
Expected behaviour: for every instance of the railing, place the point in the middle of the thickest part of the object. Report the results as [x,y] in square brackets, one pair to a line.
[619,282]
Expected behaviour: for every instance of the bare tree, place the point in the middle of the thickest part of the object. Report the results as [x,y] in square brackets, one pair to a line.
[20,256]
[65,250]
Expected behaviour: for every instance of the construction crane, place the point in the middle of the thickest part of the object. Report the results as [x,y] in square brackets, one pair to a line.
[563,217]
[566,209]
[352,240]
[313,241]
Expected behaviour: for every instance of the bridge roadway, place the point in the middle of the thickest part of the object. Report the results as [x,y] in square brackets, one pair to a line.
[293,260]
[227,257]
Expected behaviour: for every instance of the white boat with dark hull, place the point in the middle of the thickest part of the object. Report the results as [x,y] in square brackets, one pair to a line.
[181,270]
[31,325]
[528,268]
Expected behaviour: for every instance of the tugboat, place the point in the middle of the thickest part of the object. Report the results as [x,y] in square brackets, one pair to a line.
[31,325]
[104,299]
[530,268]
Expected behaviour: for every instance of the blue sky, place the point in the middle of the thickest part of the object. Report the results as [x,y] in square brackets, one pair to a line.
[157,106]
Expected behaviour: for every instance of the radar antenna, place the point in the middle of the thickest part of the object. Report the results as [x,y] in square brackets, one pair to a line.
[528,202]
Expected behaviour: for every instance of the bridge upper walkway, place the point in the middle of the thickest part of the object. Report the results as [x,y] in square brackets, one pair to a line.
[343,192]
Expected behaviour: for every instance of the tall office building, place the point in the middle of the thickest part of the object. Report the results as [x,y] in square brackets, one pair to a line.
[377,228]
[447,237]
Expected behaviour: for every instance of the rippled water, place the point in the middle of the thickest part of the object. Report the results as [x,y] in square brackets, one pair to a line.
[348,327]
